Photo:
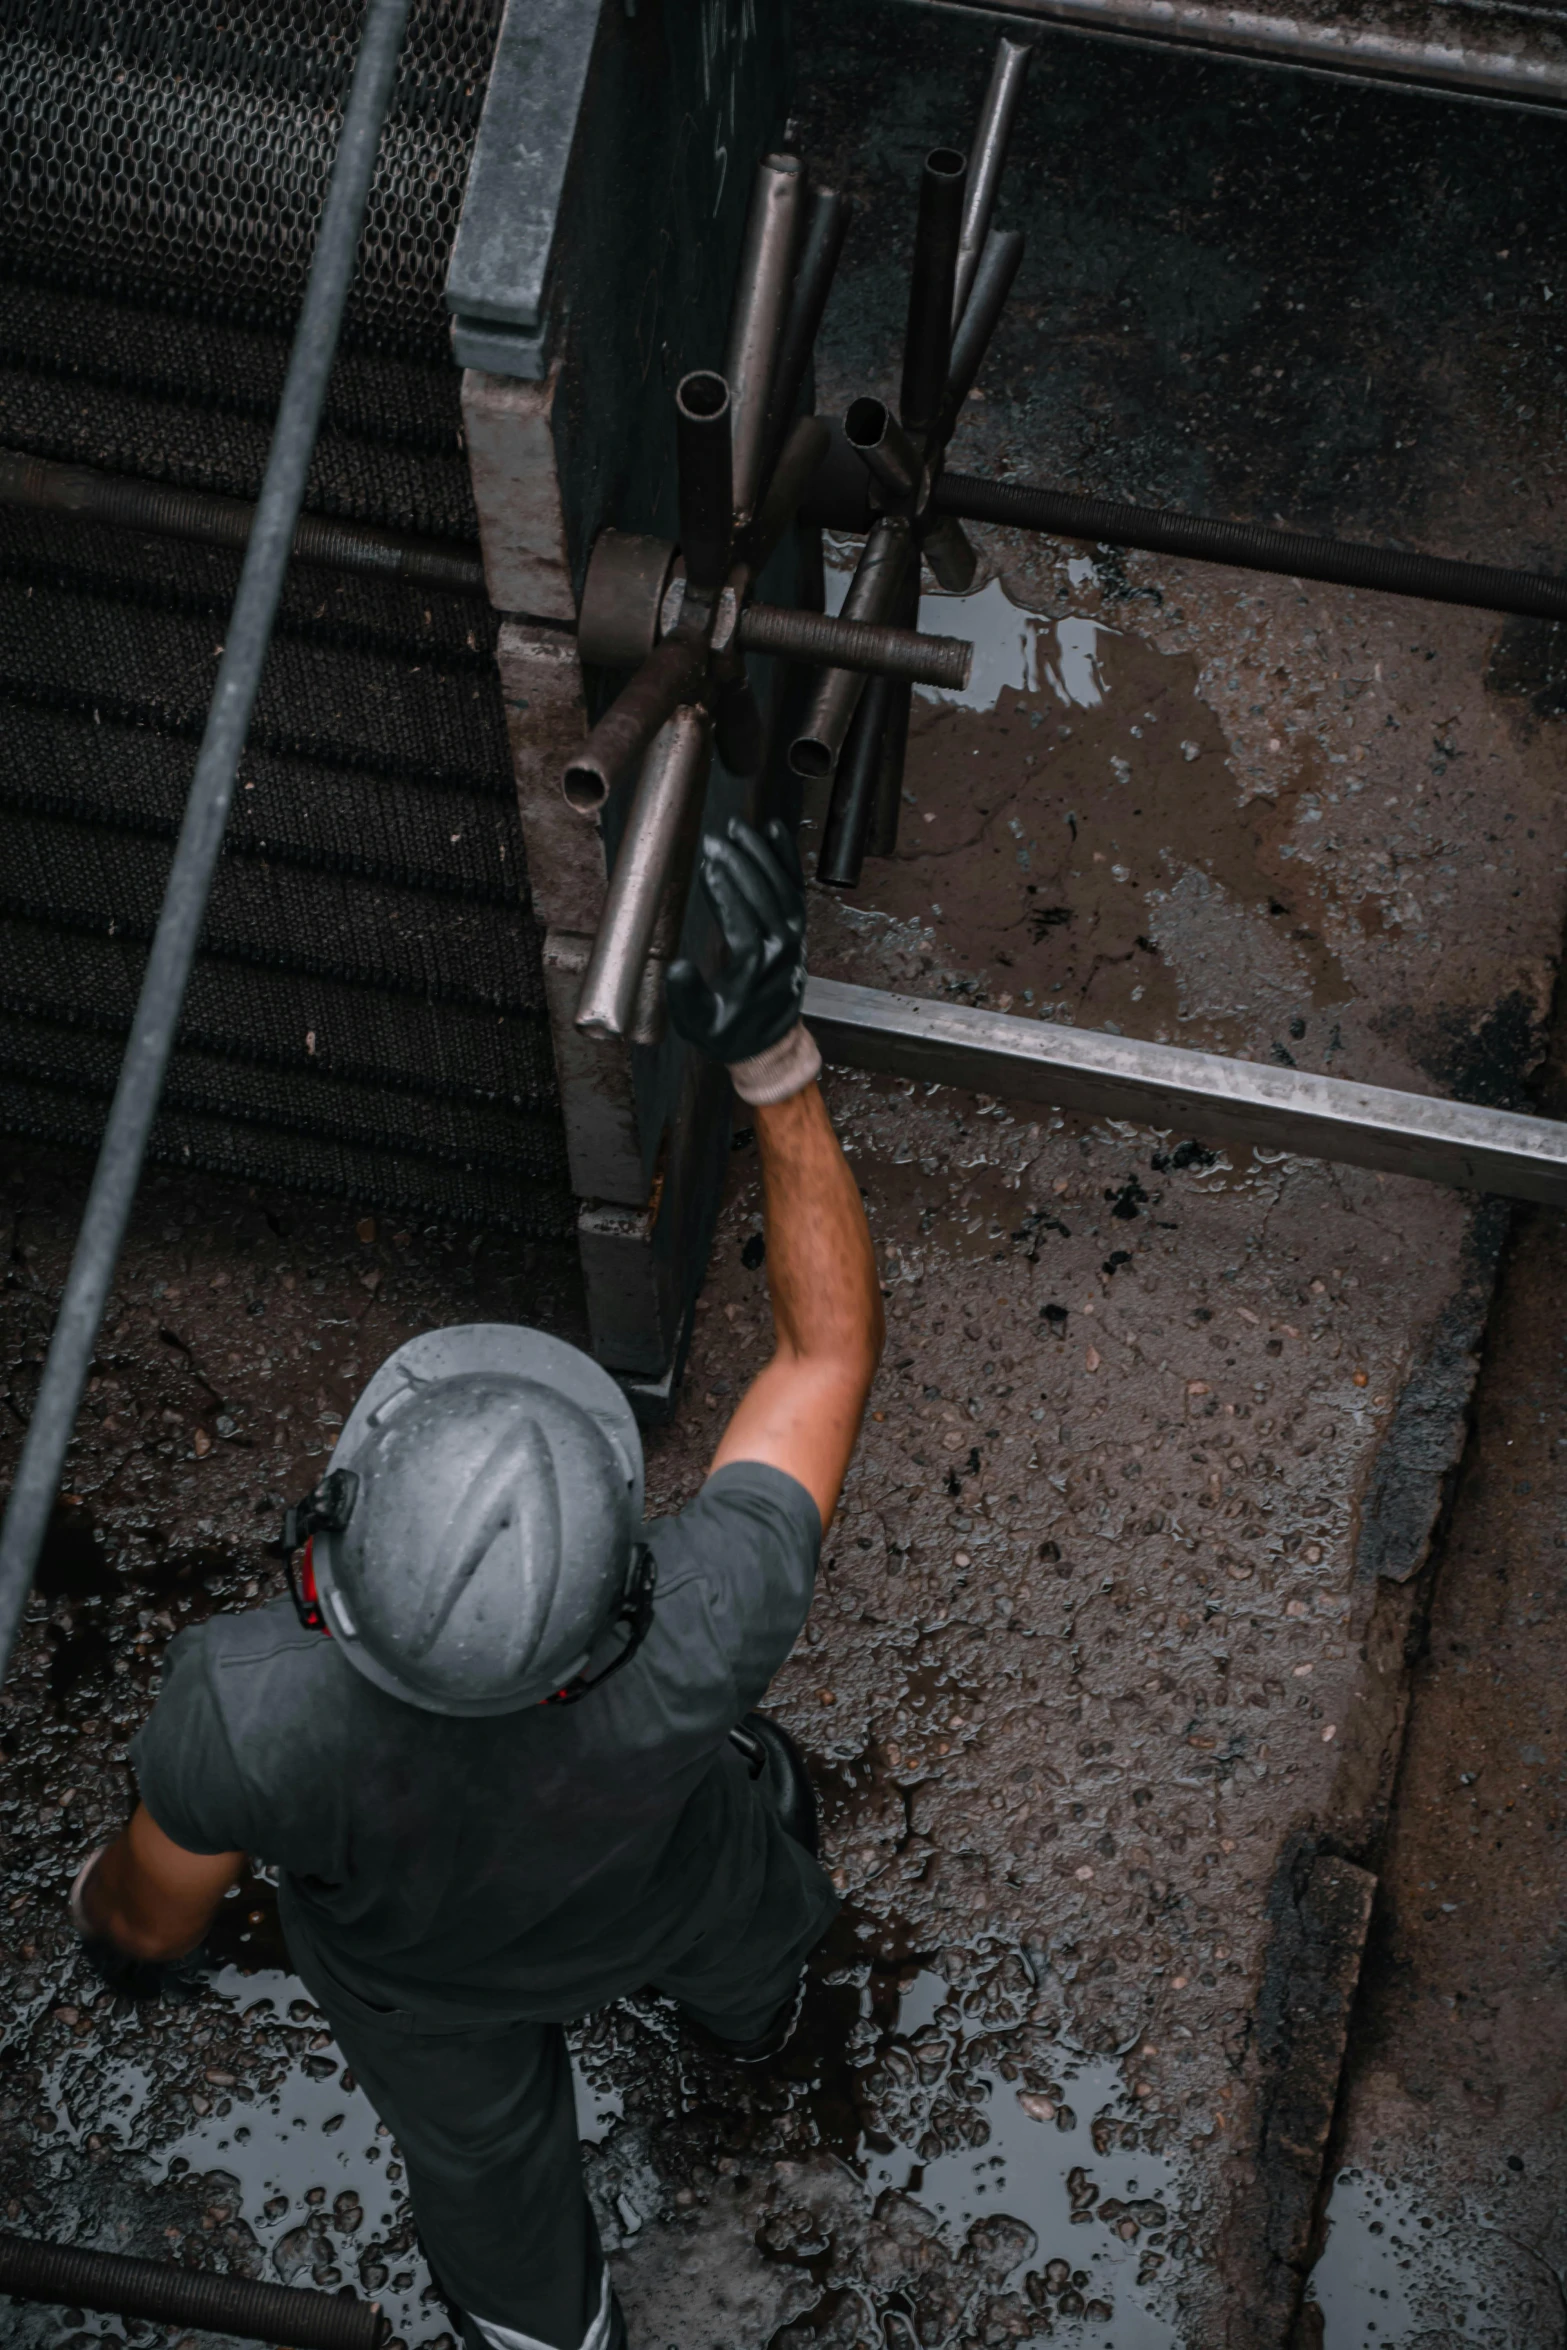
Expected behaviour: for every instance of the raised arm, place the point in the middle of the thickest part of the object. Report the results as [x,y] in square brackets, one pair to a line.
[802,1413]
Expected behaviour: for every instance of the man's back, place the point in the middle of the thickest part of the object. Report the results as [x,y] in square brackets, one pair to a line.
[532,1863]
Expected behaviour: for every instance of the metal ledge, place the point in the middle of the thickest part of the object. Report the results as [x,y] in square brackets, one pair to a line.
[1165,1086]
[1507,56]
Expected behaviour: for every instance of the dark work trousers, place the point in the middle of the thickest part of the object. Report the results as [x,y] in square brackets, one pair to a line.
[484,2113]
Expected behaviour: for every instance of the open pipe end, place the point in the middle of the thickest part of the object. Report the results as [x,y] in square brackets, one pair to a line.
[810,758]
[586,789]
[865,423]
[946,163]
[703,395]
[599,1026]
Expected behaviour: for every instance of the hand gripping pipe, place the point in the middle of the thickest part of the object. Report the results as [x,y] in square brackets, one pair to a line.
[206,812]
[71,2276]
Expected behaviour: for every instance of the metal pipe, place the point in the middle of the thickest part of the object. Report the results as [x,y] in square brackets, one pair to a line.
[201,833]
[868,648]
[650,1012]
[927,341]
[987,160]
[998,267]
[669,676]
[1165,1086]
[168,512]
[889,455]
[948,550]
[673,776]
[1488,54]
[852,808]
[72,2276]
[798,463]
[703,421]
[873,593]
[862,817]
[757,324]
[1337,562]
[826,225]
[883,841]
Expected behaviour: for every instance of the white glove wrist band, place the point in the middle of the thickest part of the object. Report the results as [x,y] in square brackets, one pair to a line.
[786,1068]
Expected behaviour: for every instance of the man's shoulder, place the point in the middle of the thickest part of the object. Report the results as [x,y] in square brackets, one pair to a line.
[249,1641]
[260,1667]
[746,1513]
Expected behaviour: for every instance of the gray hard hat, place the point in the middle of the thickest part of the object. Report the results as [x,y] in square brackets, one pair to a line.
[484,1519]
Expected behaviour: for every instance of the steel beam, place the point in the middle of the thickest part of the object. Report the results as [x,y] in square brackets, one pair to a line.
[1166,1086]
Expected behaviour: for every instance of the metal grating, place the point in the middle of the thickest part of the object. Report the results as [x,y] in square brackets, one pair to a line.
[366,1017]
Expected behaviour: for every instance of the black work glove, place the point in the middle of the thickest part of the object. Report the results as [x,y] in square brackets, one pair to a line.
[756,889]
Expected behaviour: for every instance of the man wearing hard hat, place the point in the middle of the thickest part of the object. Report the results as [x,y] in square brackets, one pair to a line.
[501,1749]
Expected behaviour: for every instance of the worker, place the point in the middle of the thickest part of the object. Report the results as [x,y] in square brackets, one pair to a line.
[488,1747]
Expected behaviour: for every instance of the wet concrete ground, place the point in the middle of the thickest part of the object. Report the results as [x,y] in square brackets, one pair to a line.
[1112,1640]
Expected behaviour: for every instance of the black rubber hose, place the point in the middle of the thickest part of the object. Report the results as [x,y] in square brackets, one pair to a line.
[73,2277]
[1339,562]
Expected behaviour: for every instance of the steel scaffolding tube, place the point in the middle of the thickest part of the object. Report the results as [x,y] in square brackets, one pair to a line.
[206,812]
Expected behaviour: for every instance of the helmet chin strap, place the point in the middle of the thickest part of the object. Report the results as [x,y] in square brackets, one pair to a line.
[635,1612]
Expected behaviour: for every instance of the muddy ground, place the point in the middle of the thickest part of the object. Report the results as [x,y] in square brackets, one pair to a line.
[1108,1676]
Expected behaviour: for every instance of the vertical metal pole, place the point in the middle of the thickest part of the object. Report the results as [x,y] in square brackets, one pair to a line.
[206,812]
[761,309]
[987,158]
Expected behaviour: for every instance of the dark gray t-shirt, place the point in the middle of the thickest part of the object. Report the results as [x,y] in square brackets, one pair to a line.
[542,1861]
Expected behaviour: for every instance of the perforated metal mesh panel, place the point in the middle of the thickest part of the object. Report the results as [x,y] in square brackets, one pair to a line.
[366,1016]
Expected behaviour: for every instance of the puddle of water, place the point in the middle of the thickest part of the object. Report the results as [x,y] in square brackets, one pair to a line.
[1015,650]
[1096,2219]
[1391,2277]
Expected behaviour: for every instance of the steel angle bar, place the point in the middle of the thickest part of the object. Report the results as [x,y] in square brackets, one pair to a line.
[1166,1086]
[201,833]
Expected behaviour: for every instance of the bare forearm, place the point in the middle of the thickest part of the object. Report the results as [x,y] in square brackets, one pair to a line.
[820,1263]
[802,1412]
[147,1897]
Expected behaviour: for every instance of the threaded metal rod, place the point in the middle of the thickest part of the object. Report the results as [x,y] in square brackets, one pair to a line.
[200,842]
[1337,562]
[857,644]
[74,2277]
[166,511]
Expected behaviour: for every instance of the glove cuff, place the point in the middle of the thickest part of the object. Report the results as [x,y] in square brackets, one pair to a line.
[786,1068]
